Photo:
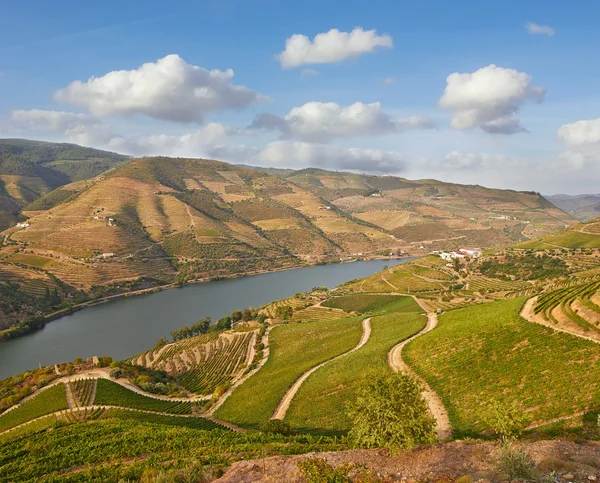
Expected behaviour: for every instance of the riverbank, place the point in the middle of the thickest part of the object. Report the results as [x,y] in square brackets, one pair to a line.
[37,323]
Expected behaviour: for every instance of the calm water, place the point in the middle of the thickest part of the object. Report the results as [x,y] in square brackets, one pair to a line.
[128,326]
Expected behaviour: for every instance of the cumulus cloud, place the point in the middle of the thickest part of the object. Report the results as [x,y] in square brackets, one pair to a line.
[169,89]
[300,155]
[456,160]
[489,98]
[90,131]
[536,29]
[310,73]
[324,121]
[581,132]
[330,47]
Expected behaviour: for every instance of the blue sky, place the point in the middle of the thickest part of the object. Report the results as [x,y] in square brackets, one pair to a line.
[514,139]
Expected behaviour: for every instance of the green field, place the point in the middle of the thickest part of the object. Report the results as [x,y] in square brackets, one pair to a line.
[111,394]
[320,404]
[49,401]
[295,348]
[488,351]
[568,239]
[196,423]
[369,303]
[117,450]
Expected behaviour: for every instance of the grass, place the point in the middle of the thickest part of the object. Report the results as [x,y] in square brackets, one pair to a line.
[295,348]
[111,394]
[367,303]
[195,423]
[49,401]
[117,450]
[488,351]
[320,404]
[568,239]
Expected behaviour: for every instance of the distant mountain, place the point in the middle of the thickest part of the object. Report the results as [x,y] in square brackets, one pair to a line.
[153,221]
[582,207]
[30,169]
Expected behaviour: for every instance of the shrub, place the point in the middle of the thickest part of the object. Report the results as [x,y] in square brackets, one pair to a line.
[115,373]
[506,420]
[317,470]
[276,426]
[514,462]
[390,412]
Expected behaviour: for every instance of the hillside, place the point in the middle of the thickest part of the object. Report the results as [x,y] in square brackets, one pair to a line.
[582,207]
[518,327]
[155,221]
[30,170]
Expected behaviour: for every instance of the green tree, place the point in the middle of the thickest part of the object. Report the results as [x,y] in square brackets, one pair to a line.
[284,312]
[507,420]
[389,412]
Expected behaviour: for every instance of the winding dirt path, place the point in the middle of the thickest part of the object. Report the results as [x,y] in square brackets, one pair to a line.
[436,407]
[285,402]
[528,313]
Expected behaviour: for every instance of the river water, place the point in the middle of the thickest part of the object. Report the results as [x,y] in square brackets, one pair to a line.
[127,326]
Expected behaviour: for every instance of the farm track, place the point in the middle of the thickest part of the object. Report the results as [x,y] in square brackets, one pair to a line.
[436,407]
[285,402]
[227,424]
[527,312]
[241,380]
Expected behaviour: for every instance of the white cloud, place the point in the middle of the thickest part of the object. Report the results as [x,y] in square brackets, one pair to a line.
[483,161]
[310,73]
[536,29]
[330,47]
[90,131]
[488,98]
[322,122]
[300,155]
[388,81]
[581,132]
[168,89]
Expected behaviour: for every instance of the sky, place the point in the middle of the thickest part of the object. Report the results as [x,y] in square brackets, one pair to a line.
[501,94]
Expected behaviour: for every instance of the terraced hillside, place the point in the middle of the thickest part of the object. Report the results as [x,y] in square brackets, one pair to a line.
[202,363]
[30,170]
[155,221]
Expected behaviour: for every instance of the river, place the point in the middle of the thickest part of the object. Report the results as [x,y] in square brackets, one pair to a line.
[127,326]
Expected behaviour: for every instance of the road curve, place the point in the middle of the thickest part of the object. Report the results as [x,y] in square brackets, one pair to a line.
[528,313]
[285,402]
[436,408]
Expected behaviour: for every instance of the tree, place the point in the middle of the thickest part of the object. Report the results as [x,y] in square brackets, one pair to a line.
[390,412]
[284,312]
[236,315]
[507,420]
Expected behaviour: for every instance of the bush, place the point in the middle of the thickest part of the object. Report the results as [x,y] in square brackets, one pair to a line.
[317,470]
[115,373]
[390,412]
[276,426]
[506,420]
[514,462]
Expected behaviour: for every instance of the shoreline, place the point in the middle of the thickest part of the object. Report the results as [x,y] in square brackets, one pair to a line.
[100,301]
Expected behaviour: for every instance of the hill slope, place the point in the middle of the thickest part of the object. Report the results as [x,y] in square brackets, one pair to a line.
[153,221]
[31,169]
[582,207]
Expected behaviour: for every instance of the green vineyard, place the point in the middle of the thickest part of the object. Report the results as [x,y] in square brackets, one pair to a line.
[83,390]
[109,393]
[202,363]
[49,401]
[565,299]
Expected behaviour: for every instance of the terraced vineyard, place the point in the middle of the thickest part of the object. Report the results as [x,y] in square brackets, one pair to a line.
[83,390]
[48,401]
[188,422]
[109,393]
[294,348]
[320,404]
[204,362]
[297,303]
[575,303]
[488,351]
[316,314]
[483,284]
